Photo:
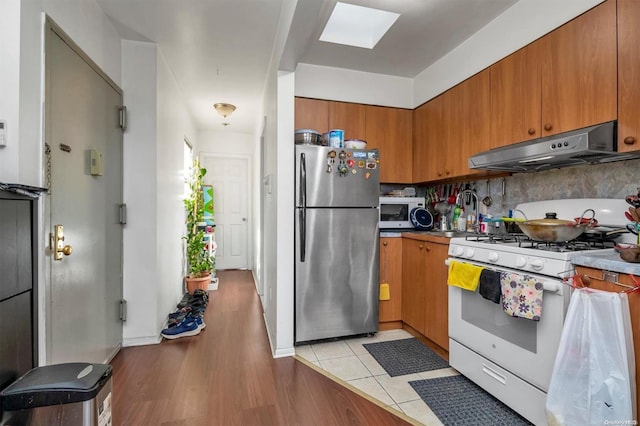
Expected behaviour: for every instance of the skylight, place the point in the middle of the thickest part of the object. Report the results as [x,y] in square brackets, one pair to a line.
[357,25]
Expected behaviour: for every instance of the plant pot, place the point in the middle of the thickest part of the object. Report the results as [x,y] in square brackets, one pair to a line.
[198,283]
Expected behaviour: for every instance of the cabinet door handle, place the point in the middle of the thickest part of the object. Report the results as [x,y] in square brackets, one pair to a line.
[420,246]
[629,140]
[531,131]
[548,127]
[428,248]
[385,243]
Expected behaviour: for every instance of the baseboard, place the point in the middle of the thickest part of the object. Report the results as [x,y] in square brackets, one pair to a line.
[141,341]
[278,353]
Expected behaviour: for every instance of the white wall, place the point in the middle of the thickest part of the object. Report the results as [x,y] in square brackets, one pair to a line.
[139,81]
[158,123]
[314,81]
[226,142]
[174,124]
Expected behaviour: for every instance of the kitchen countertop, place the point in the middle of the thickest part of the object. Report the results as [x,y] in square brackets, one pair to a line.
[432,236]
[608,261]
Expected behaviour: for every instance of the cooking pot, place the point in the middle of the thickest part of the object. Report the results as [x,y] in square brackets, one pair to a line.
[552,229]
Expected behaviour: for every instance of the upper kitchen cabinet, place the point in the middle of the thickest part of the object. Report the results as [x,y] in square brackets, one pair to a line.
[428,138]
[348,117]
[450,128]
[312,114]
[579,82]
[628,75]
[467,109]
[564,81]
[390,131]
[516,97]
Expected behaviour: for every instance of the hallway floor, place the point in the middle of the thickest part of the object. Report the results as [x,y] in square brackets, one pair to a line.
[351,363]
[226,375]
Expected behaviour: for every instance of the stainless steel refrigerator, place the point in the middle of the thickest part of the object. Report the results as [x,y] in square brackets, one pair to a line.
[336,242]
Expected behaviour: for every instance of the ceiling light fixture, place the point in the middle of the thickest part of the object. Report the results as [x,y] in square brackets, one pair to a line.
[224,110]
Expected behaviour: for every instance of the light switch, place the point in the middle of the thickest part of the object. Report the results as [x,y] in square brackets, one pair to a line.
[96,163]
[3,133]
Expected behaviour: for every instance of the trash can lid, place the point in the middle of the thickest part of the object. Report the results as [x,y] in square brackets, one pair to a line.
[56,384]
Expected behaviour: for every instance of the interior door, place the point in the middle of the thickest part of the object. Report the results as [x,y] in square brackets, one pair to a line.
[84,288]
[229,178]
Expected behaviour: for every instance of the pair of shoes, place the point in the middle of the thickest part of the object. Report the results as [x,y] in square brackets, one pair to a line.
[191,325]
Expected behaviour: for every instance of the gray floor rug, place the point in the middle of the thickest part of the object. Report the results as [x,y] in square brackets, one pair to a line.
[405,356]
[458,401]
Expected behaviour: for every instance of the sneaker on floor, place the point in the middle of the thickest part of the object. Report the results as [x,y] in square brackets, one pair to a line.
[199,321]
[188,327]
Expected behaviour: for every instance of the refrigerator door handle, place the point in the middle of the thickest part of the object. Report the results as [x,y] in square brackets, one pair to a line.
[303,206]
[303,181]
[303,234]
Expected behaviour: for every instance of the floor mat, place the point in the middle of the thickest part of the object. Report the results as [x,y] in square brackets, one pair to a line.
[405,356]
[458,401]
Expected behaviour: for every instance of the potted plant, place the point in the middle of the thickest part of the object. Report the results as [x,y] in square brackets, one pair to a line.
[199,262]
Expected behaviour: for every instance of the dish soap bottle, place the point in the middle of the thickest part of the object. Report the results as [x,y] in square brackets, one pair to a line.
[456,216]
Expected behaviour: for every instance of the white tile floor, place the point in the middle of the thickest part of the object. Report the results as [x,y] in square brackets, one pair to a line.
[349,361]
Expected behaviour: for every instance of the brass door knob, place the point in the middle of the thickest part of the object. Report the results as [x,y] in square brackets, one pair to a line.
[67,250]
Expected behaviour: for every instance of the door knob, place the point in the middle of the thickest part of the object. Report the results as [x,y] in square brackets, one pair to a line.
[58,245]
[244,219]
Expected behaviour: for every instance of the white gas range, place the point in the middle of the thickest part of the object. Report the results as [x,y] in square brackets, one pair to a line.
[512,358]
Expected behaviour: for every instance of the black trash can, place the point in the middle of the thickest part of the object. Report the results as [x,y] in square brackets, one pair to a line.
[61,394]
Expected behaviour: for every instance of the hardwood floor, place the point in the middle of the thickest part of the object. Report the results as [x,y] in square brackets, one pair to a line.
[227,376]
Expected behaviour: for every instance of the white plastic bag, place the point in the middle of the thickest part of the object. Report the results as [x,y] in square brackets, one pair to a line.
[593,380]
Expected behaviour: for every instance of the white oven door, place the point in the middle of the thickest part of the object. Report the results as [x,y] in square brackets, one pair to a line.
[523,347]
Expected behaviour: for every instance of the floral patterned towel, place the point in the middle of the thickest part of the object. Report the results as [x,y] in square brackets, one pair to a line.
[521,296]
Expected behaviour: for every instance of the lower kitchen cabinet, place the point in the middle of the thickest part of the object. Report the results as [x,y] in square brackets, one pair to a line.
[424,289]
[600,280]
[390,315]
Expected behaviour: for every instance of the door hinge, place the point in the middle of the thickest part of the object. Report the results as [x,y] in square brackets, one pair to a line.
[123,214]
[123,117]
[123,310]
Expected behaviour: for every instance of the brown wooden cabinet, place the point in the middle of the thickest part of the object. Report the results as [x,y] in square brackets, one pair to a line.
[428,140]
[628,75]
[311,114]
[450,128]
[516,97]
[467,109]
[579,65]
[596,279]
[391,273]
[349,117]
[413,288]
[565,80]
[390,130]
[425,292]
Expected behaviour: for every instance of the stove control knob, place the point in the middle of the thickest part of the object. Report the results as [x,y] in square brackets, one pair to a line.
[493,257]
[469,253]
[537,264]
[457,251]
[521,261]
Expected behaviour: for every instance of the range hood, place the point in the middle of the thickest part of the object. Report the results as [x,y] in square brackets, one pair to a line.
[591,145]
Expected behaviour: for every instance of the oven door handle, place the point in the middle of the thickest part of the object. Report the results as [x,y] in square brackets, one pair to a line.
[550,286]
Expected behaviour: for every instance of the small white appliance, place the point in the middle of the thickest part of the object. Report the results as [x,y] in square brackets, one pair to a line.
[394,211]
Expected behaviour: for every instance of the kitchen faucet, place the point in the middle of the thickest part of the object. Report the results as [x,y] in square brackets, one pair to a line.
[475,196]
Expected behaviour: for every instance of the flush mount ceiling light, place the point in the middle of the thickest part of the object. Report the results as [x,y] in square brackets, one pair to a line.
[357,25]
[224,110]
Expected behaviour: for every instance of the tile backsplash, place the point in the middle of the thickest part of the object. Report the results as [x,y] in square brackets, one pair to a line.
[611,180]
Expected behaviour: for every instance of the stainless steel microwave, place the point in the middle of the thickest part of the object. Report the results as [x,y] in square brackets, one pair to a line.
[394,211]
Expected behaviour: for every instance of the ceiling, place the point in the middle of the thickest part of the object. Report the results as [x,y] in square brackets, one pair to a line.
[220,50]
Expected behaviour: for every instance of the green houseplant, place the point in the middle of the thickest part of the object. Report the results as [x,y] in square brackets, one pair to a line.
[199,262]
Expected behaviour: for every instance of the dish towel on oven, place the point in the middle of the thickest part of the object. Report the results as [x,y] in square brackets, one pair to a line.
[521,295]
[490,285]
[464,275]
